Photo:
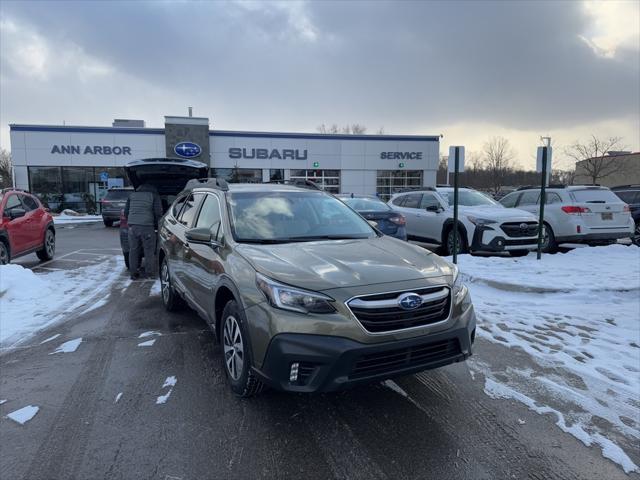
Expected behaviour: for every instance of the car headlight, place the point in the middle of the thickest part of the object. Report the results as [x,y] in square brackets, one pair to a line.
[294,299]
[480,221]
[459,289]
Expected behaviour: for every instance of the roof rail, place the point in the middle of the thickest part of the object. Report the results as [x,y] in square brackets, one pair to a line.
[12,189]
[298,182]
[412,189]
[633,185]
[212,182]
[537,187]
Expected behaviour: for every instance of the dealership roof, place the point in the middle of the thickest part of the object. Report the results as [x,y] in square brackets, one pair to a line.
[220,133]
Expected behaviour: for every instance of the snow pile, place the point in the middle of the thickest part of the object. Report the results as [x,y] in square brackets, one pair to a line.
[578,316]
[24,414]
[30,302]
[68,347]
[66,219]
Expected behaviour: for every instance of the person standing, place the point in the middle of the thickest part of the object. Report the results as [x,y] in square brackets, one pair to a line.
[143,211]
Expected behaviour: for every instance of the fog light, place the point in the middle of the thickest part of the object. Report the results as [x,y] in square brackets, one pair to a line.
[293,374]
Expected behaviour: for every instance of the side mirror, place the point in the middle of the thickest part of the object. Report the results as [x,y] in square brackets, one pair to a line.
[17,213]
[433,208]
[202,236]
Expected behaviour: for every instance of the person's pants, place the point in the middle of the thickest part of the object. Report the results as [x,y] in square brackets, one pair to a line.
[142,238]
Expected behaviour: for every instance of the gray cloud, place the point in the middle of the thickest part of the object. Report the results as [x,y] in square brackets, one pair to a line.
[292,66]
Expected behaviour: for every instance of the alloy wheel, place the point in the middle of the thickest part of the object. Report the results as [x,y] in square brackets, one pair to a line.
[165,283]
[450,243]
[4,254]
[233,347]
[50,243]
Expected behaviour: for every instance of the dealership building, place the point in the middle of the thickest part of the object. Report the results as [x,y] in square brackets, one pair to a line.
[74,166]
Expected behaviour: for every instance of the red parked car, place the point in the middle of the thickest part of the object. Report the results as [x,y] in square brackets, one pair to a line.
[25,227]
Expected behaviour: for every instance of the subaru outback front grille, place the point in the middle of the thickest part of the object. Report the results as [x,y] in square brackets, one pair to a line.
[383,312]
[393,360]
[520,229]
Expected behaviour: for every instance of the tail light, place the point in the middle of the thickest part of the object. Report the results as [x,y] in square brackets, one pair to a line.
[627,209]
[398,220]
[575,210]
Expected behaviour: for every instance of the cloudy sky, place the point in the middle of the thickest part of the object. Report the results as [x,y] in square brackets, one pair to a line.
[467,70]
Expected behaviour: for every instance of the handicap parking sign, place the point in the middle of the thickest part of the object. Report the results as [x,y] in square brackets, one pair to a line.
[104,176]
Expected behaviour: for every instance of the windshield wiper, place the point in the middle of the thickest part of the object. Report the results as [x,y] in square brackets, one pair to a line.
[311,238]
[264,240]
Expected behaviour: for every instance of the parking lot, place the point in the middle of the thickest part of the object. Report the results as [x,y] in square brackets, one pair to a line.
[143,395]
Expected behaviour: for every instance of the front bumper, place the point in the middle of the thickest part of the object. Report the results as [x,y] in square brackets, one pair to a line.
[328,363]
[488,239]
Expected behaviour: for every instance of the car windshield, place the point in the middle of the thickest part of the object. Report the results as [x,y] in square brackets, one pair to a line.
[282,217]
[471,198]
[364,204]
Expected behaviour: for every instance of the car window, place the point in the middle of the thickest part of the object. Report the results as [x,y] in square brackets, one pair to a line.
[175,211]
[595,195]
[398,201]
[428,200]
[509,201]
[412,200]
[189,210]
[551,198]
[529,198]
[360,204]
[470,198]
[29,203]
[209,216]
[12,202]
[629,196]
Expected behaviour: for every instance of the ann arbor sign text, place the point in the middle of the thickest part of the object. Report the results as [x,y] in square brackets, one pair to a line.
[91,150]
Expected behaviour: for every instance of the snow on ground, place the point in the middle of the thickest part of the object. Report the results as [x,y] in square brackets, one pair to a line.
[169,382]
[53,337]
[67,219]
[578,316]
[68,347]
[24,414]
[30,302]
[148,343]
[3,401]
[118,396]
[150,333]
[156,288]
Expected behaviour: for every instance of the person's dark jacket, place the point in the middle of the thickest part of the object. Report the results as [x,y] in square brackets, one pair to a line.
[144,206]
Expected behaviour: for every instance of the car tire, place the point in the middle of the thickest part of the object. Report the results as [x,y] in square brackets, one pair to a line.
[236,353]
[635,239]
[448,243]
[549,244]
[518,253]
[48,249]
[5,258]
[107,223]
[170,298]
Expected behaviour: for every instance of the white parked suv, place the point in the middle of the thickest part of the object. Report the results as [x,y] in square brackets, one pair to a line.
[484,225]
[576,214]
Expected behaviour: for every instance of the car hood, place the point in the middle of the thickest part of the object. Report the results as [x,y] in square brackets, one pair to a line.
[168,175]
[498,213]
[331,264]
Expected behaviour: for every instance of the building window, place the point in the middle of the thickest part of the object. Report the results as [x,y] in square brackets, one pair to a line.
[328,180]
[46,184]
[393,181]
[276,175]
[238,175]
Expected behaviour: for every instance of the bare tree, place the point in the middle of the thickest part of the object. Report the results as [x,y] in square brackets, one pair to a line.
[597,163]
[6,169]
[498,161]
[353,129]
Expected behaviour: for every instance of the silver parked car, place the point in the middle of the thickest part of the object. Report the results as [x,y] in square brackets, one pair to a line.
[576,214]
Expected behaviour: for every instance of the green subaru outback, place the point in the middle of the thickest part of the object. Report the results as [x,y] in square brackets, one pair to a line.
[303,293]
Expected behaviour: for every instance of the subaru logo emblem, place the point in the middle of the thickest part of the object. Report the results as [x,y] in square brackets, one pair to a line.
[409,301]
[523,226]
[187,149]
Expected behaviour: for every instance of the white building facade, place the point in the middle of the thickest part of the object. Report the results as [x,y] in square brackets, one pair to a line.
[73,166]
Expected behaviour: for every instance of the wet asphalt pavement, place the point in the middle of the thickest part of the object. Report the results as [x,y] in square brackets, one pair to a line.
[437,425]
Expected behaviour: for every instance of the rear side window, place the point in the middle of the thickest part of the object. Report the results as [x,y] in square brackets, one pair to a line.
[175,211]
[510,200]
[210,216]
[29,202]
[551,198]
[595,195]
[629,196]
[412,200]
[189,211]
[429,200]
[398,201]
[529,198]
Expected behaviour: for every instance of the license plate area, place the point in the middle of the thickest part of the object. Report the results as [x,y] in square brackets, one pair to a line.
[607,216]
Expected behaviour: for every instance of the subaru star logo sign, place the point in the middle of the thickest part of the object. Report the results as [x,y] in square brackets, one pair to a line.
[187,149]
[409,301]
